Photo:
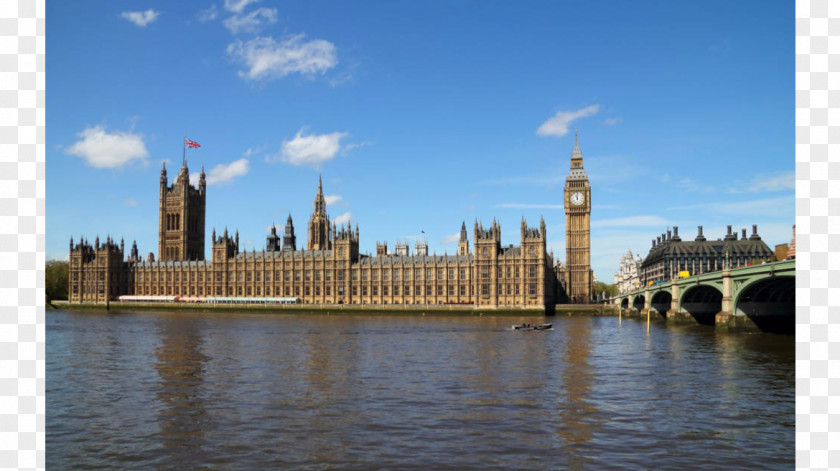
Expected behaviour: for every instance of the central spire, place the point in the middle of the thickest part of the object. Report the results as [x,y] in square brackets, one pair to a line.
[576,154]
[320,203]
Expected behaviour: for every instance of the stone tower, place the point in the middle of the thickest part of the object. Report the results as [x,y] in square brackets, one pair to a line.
[181,217]
[463,243]
[318,232]
[578,206]
[289,236]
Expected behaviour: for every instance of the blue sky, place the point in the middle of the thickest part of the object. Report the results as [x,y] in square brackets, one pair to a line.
[421,115]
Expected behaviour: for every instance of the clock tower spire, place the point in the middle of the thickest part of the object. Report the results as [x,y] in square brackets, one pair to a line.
[577,206]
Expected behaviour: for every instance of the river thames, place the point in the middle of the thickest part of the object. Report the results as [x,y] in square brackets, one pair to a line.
[183,390]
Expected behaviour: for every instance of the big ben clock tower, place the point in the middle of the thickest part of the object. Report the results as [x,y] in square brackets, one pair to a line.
[578,207]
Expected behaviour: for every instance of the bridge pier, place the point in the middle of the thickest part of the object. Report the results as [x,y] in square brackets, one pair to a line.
[726,319]
[673,315]
[734,323]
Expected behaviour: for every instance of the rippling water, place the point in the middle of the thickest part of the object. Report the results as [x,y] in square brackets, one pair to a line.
[261,391]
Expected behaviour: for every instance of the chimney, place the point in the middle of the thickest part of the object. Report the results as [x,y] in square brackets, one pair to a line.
[676,237]
[743,234]
[652,243]
[755,235]
[700,237]
[669,234]
[729,234]
[658,240]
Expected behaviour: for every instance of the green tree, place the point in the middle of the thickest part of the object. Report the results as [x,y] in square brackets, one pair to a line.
[599,286]
[56,279]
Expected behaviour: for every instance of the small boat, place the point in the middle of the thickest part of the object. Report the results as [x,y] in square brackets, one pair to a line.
[532,327]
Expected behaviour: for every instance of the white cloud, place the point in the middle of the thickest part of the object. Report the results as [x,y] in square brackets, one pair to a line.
[252,22]
[208,14]
[451,238]
[631,221]
[266,59]
[613,121]
[343,219]
[237,6]
[312,149]
[332,199]
[130,202]
[558,125]
[529,206]
[226,172]
[103,150]
[140,18]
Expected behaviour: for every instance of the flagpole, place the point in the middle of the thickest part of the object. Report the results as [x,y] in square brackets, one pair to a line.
[184,143]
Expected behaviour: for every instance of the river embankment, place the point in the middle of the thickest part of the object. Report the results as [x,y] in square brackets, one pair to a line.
[350,309]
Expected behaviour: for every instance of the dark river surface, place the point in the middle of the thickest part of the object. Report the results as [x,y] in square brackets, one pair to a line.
[177,390]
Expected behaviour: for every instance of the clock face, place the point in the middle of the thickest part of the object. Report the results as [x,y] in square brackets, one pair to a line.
[576,198]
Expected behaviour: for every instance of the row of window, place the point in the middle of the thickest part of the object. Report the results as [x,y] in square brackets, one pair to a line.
[308,275]
[506,272]
[506,289]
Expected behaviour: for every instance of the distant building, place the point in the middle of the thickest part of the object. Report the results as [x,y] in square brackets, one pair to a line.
[627,278]
[401,249]
[792,250]
[421,247]
[780,252]
[670,255]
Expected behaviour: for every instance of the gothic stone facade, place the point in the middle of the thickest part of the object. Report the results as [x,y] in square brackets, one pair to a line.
[330,271]
[578,206]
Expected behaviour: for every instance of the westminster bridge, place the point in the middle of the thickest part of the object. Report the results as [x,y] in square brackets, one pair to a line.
[753,298]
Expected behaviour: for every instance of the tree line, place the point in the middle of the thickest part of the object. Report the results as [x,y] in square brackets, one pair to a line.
[56,279]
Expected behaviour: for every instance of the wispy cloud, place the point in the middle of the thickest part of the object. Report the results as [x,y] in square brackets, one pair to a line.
[343,219]
[208,14]
[252,22]
[130,202]
[767,183]
[251,151]
[528,206]
[224,173]
[451,239]
[558,125]
[332,199]
[237,6]
[636,221]
[777,208]
[313,149]
[687,184]
[266,59]
[140,18]
[613,121]
[101,149]
[354,145]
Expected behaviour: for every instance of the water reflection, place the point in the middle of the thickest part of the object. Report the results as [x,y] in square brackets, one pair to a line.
[183,419]
[575,410]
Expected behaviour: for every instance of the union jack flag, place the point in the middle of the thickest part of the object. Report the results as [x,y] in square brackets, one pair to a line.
[191,144]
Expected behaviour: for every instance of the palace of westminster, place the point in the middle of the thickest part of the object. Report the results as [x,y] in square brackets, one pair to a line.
[330,270]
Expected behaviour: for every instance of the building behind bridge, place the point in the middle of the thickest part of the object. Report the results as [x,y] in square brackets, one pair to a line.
[627,278]
[669,254]
[330,270]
